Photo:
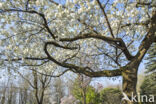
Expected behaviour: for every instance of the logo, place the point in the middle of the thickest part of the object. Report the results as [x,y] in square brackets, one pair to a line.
[139,98]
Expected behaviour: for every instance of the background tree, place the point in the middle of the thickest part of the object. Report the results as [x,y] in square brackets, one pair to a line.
[110,96]
[58,90]
[3,94]
[83,91]
[39,85]
[151,58]
[54,35]
[148,86]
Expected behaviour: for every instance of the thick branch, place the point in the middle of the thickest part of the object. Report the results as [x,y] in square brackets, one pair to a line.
[60,46]
[79,69]
[104,73]
[90,35]
[149,38]
[118,42]
[27,58]
[122,51]
[123,47]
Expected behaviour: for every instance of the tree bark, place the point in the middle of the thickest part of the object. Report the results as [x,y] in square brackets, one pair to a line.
[129,83]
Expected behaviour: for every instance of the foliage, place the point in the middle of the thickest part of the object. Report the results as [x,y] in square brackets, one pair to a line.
[58,89]
[151,58]
[148,87]
[110,95]
[83,91]
[92,97]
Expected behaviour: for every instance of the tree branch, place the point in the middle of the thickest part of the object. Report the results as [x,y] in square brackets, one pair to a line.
[90,35]
[26,79]
[141,23]
[28,58]
[145,4]
[118,42]
[32,12]
[107,54]
[79,69]
[60,46]
[149,38]
[37,64]
[109,27]
[50,75]
[27,5]
[103,73]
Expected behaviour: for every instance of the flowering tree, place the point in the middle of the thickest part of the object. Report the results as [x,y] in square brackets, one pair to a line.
[49,34]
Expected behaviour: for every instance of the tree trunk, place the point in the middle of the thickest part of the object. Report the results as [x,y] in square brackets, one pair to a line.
[129,74]
[84,96]
[129,84]
[42,96]
[3,98]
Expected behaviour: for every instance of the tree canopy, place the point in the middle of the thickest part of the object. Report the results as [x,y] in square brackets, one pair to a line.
[46,33]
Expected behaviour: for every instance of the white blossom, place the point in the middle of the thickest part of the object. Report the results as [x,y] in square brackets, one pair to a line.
[63,22]
[1,5]
[75,1]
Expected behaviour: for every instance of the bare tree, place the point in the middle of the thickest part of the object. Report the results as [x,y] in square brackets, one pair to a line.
[39,84]
[3,94]
[58,89]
